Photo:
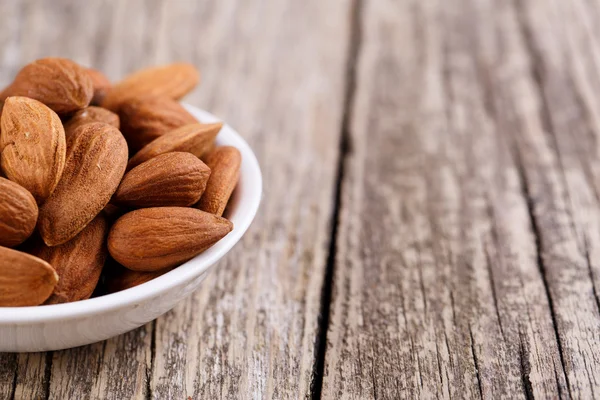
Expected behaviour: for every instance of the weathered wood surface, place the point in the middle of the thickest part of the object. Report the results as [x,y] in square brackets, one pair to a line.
[454,147]
[275,70]
[469,211]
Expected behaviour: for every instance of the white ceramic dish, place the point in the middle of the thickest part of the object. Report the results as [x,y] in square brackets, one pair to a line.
[54,327]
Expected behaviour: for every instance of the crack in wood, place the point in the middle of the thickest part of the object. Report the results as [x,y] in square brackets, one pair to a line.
[374,383]
[525,368]
[152,358]
[15,375]
[540,262]
[537,73]
[476,363]
[488,260]
[439,362]
[48,373]
[343,153]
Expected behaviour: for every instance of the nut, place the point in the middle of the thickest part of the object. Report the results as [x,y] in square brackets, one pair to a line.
[61,84]
[25,280]
[32,142]
[91,114]
[62,171]
[143,120]
[93,170]
[170,179]
[224,163]
[151,239]
[193,138]
[18,213]
[173,80]
[78,262]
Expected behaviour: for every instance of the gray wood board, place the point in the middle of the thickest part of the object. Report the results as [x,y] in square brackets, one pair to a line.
[275,71]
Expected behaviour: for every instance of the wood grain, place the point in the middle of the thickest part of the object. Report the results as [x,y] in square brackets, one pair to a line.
[463,138]
[256,329]
[460,270]
[252,331]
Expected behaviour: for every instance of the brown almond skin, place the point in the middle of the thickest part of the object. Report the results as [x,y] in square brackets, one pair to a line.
[101,85]
[224,163]
[193,138]
[18,213]
[78,262]
[173,80]
[94,168]
[33,147]
[25,280]
[170,179]
[91,114]
[145,119]
[59,83]
[151,239]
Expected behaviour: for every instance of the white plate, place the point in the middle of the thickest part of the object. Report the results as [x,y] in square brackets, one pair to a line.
[60,326]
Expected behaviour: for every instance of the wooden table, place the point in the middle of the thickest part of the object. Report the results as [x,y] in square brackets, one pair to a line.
[431,216]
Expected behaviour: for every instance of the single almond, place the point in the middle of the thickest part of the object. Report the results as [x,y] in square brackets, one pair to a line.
[173,80]
[170,179]
[224,163]
[32,143]
[25,280]
[193,138]
[151,239]
[91,114]
[18,213]
[145,119]
[101,85]
[78,262]
[95,165]
[59,83]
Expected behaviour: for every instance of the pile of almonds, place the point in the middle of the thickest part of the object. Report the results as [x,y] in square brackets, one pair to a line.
[104,187]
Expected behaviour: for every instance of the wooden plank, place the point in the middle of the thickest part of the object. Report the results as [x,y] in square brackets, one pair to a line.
[461,271]
[275,71]
[8,373]
[566,203]
[32,377]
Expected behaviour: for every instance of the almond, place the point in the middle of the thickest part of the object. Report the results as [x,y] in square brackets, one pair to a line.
[224,163]
[78,262]
[61,84]
[94,167]
[173,80]
[25,280]
[193,138]
[151,239]
[101,85]
[170,179]
[91,114]
[18,213]
[121,278]
[143,120]
[32,143]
